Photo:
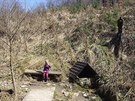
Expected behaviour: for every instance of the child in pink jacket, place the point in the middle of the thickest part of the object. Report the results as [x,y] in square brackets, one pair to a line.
[46,71]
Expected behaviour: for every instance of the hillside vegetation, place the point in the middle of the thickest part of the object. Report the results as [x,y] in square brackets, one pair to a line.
[70,33]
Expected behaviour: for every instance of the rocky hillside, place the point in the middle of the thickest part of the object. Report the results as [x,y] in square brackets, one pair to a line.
[61,35]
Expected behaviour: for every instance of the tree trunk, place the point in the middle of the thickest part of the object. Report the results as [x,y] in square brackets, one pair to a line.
[12,73]
[104,3]
[26,47]
[41,48]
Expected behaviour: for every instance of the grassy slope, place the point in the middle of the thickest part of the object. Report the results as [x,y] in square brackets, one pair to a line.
[65,36]
[79,36]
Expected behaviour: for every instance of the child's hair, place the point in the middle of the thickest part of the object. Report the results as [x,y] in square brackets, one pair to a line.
[46,61]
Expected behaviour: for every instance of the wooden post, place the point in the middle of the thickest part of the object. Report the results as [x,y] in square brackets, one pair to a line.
[116,40]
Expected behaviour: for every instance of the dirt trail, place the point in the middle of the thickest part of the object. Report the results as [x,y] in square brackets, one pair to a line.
[40,94]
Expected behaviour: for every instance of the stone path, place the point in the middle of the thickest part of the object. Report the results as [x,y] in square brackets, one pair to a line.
[40,94]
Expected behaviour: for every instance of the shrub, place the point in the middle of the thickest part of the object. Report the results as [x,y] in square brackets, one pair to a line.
[110,17]
[96,4]
[76,7]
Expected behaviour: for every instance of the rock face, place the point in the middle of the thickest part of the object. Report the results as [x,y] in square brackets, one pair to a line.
[85,71]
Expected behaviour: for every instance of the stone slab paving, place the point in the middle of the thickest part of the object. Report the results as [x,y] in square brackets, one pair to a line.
[40,94]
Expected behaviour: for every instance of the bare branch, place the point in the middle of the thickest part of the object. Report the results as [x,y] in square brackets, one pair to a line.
[17,28]
[5,42]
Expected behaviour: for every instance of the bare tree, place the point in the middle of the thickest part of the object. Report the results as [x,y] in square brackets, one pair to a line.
[11,22]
